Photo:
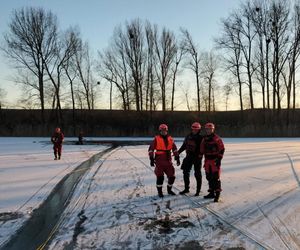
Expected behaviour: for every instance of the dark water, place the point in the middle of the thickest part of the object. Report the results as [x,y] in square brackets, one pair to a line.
[37,229]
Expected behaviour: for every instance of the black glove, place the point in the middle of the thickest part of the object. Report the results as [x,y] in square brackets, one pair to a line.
[218,162]
[152,162]
[177,159]
[199,159]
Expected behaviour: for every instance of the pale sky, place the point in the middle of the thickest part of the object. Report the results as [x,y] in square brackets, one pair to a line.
[98,18]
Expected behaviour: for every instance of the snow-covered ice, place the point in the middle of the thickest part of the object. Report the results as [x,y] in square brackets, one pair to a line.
[115,205]
[28,174]
[118,208]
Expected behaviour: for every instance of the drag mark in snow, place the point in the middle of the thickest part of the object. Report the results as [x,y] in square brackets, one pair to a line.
[275,229]
[294,239]
[82,218]
[236,217]
[293,169]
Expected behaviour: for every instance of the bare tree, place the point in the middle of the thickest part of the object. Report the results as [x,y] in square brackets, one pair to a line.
[227,89]
[190,48]
[279,16]
[134,47]
[142,64]
[255,35]
[29,98]
[277,27]
[85,74]
[209,66]
[29,88]
[69,65]
[166,49]
[30,41]
[2,97]
[150,34]
[175,70]
[66,47]
[230,42]
[293,57]
[114,67]
[247,35]
[259,19]
[114,72]
[123,64]
[187,98]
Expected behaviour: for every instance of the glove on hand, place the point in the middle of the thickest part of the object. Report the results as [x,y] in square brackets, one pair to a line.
[152,162]
[218,162]
[177,159]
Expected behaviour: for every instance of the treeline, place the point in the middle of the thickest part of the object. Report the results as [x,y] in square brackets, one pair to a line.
[249,123]
[146,67]
[261,44]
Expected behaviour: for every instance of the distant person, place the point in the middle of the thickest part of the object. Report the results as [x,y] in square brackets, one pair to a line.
[160,152]
[80,138]
[57,140]
[212,148]
[191,145]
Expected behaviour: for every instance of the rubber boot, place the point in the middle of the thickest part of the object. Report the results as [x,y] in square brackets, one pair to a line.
[211,195]
[159,191]
[169,188]
[55,156]
[217,196]
[199,184]
[186,179]
[184,191]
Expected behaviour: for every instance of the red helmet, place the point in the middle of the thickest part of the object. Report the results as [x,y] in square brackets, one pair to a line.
[196,125]
[57,130]
[210,125]
[163,127]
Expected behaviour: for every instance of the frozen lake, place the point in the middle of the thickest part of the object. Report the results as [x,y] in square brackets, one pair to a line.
[115,204]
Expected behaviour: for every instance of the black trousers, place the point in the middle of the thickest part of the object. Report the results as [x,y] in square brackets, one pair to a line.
[187,164]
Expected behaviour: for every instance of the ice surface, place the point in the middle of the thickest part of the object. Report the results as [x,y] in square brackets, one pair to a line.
[115,205]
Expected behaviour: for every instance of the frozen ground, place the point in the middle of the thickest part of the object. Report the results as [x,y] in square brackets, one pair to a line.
[28,174]
[118,207]
[115,205]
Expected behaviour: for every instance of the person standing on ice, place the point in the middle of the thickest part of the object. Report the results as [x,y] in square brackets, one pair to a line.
[160,156]
[212,148]
[57,139]
[191,145]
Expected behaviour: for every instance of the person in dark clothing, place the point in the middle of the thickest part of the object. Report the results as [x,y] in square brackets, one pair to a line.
[160,156]
[57,139]
[191,145]
[80,138]
[212,148]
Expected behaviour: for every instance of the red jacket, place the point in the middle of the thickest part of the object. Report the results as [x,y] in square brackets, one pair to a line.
[212,147]
[57,138]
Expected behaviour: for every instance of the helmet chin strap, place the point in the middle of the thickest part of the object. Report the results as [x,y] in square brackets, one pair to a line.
[163,134]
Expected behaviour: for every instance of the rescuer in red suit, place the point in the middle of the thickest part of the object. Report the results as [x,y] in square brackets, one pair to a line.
[212,148]
[160,156]
[57,139]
